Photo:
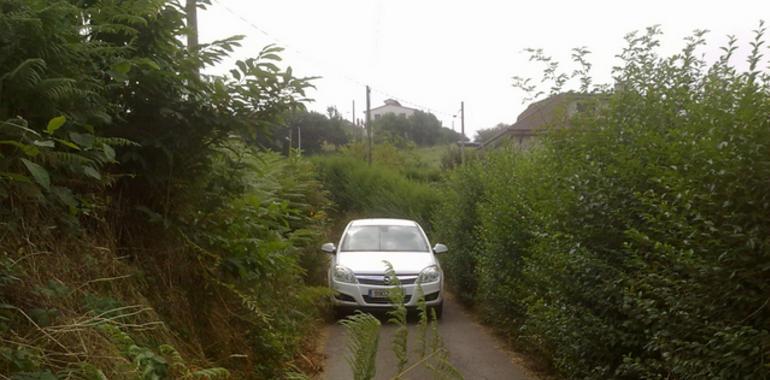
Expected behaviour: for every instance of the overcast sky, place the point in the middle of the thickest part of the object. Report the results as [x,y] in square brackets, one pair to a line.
[432,54]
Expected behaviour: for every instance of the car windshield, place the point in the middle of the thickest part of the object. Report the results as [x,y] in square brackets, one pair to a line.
[384,238]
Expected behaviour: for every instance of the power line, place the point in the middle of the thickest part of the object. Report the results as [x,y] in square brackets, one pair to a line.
[315,61]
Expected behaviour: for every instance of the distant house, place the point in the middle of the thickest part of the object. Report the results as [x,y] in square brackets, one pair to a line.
[554,111]
[391,106]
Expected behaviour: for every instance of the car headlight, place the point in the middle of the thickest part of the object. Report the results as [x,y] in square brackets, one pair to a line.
[429,274]
[343,274]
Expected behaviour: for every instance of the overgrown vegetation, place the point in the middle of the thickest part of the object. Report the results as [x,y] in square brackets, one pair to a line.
[633,244]
[380,190]
[141,233]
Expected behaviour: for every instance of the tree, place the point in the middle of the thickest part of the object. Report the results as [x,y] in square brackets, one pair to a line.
[483,135]
[420,128]
[317,129]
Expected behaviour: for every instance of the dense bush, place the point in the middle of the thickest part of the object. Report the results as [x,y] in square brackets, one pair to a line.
[455,224]
[635,243]
[375,191]
[259,249]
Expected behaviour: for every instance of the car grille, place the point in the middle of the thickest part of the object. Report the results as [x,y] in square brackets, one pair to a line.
[380,280]
[384,301]
[431,297]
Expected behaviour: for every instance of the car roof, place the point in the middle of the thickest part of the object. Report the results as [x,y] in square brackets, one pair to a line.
[383,222]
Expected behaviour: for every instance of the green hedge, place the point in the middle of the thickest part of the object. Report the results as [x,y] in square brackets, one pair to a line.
[635,244]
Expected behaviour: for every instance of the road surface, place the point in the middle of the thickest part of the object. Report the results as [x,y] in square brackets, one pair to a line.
[475,352]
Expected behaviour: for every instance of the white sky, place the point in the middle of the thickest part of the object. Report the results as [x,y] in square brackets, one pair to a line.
[431,54]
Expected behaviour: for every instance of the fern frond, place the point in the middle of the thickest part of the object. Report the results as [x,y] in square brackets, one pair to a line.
[115,141]
[363,332]
[114,28]
[422,308]
[129,19]
[28,72]
[174,358]
[117,336]
[63,88]
[49,83]
[398,317]
[215,373]
[59,159]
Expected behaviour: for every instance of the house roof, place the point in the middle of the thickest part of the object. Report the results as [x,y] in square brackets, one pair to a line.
[392,102]
[537,114]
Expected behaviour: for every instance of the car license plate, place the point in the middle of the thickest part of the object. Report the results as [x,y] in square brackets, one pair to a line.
[378,293]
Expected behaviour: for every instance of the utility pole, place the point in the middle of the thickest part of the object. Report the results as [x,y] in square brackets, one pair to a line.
[289,138]
[191,9]
[462,130]
[299,141]
[369,125]
[353,115]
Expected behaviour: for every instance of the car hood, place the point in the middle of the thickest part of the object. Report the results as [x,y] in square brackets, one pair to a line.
[372,262]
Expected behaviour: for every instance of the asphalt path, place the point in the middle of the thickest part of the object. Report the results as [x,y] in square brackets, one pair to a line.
[473,350]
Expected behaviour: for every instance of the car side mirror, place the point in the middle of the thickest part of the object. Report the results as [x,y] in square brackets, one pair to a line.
[329,248]
[440,248]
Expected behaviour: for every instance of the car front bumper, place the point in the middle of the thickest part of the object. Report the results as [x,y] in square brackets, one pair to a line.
[358,295]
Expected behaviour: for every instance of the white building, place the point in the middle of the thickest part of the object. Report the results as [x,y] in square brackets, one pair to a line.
[391,106]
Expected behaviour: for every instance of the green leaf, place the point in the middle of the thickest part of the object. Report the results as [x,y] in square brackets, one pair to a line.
[148,63]
[91,172]
[109,152]
[29,150]
[44,143]
[55,123]
[15,177]
[68,144]
[272,57]
[242,66]
[236,74]
[82,139]
[38,173]
[65,196]
[122,67]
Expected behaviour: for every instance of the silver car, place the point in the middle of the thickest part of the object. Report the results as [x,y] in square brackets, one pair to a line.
[357,272]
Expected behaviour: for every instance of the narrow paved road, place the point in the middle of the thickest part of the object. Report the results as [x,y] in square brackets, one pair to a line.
[472,350]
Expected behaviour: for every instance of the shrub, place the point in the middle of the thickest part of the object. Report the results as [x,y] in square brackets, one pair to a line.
[455,223]
[635,243]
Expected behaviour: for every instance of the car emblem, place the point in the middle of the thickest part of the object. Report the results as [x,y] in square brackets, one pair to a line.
[386,280]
